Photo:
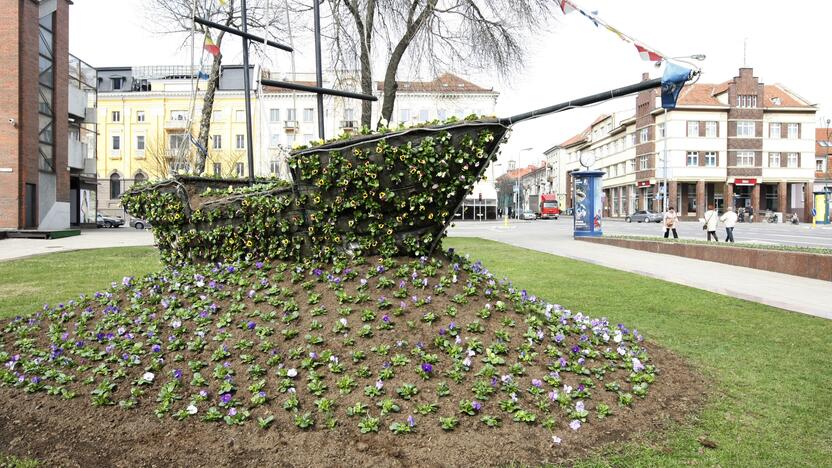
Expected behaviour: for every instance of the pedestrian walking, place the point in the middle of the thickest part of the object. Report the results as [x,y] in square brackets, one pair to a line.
[671,220]
[730,220]
[711,221]
[750,210]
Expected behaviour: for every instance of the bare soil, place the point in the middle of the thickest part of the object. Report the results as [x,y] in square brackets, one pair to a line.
[72,433]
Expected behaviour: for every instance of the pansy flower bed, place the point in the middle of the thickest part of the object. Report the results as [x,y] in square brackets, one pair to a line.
[367,346]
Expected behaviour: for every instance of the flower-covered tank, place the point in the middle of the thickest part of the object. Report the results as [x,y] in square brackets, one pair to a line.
[390,193]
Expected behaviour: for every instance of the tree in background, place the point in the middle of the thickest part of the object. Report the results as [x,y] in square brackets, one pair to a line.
[176,17]
[431,35]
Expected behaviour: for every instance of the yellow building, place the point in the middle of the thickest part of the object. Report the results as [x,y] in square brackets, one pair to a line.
[144,114]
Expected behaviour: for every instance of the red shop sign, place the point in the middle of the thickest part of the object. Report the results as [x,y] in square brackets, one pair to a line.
[745,181]
[644,183]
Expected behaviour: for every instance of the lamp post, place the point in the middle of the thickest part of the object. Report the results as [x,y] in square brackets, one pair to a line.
[496,190]
[517,184]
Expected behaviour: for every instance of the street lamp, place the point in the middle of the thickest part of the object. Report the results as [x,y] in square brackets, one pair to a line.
[517,184]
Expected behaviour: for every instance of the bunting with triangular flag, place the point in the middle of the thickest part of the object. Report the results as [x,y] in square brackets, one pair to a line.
[647,54]
[210,46]
[566,6]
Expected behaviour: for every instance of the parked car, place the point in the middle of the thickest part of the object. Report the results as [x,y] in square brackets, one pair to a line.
[139,223]
[108,221]
[528,214]
[644,216]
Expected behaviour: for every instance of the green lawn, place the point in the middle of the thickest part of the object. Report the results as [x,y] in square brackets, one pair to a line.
[771,400]
[772,396]
[27,284]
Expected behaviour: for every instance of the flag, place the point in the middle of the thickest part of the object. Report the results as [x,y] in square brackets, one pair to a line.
[673,80]
[567,7]
[589,16]
[648,55]
[199,147]
[617,33]
[202,75]
[210,46]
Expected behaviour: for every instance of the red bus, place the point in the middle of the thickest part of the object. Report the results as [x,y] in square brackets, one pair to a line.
[549,208]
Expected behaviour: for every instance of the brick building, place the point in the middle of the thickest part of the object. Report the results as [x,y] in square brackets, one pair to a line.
[739,143]
[41,171]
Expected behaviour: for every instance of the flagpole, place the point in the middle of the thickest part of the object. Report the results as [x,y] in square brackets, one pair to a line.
[247,90]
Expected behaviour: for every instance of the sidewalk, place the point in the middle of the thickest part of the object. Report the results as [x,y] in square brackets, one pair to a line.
[89,239]
[804,295]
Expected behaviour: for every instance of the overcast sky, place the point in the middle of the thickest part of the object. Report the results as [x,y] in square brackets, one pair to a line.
[785,44]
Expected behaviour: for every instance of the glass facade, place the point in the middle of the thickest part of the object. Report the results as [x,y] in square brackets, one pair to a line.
[46,91]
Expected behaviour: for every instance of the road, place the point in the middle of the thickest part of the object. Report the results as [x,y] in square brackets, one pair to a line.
[802,235]
[89,239]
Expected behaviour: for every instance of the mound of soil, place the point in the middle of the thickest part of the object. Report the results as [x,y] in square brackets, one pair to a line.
[383,362]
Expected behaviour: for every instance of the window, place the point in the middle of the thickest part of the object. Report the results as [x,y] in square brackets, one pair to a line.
[774,130]
[139,116]
[747,100]
[745,159]
[693,158]
[308,114]
[290,139]
[139,178]
[794,160]
[46,88]
[442,114]
[794,131]
[660,129]
[774,160]
[423,115]
[140,142]
[631,165]
[179,115]
[693,128]
[711,129]
[116,143]
[218,116]
[710,159]
[239,169]
[349,114]
[631,140]
[291,114]
[216,140]
[404,115]
[117,82]
[176,141]
[820,165]
[274,167]
[240,115]
[274,140]
[745,128]
[307,137]
[643,135]
[642,163]
[240,142]
[116,116]
[274,115]
[217,168]
[115,186]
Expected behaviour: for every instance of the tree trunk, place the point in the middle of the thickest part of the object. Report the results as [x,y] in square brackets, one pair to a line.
[207,111]
[390,85]
[366,88]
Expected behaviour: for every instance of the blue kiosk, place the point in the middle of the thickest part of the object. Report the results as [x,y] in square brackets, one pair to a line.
[588,209]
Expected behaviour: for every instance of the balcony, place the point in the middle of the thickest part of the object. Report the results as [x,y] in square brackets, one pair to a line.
[77,154]
[77,102]
[90,166]
[348,124]
[176,124]
[291,126]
